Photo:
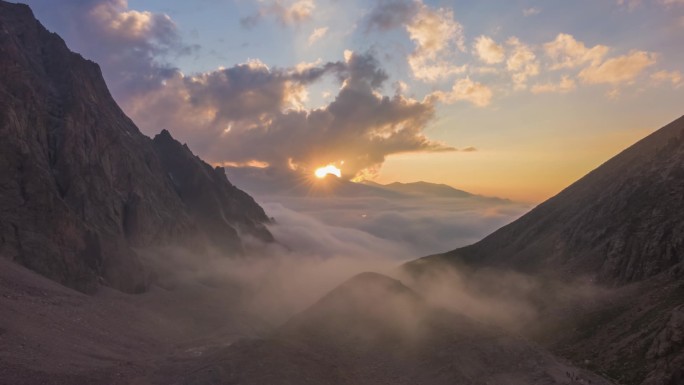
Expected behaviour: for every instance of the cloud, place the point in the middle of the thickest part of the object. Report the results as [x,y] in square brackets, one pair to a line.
[250,112]
[355,219]
[488,50]
[673,77]
[630,4]
[565,85]
[406,227]
[436,35]
[531,11]
[621,69]
[466,90]
[128,44]
[309,235]
[566,52]
[633,4]
[317,35]
[613,94]
[286,14]
[391,14]
[522,63]
[250,21]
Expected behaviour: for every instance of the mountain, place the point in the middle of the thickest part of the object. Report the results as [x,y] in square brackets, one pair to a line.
[423,188]
[621,223]
[273,181]
[374,330]
[210,197]
[620,227]
[82,190]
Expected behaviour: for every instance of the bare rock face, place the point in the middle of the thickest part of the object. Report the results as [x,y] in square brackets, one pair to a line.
[219,208]
[80,185]
[667,350]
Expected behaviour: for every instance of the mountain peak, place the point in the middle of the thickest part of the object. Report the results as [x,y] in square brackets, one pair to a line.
[164,135]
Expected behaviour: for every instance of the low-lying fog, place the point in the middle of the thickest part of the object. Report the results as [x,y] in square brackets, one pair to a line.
[323,240]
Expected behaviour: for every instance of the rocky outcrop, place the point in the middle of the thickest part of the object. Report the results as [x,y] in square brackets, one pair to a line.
[219,208]
[80,186]
[667,350]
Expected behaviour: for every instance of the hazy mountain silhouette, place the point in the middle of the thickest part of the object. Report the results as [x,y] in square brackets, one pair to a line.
[374,330]
[274,181]
[423,188]
[82,188]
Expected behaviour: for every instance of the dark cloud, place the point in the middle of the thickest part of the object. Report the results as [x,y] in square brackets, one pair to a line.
[390,14]
[247,112]
[129,45]
[250,112]
[250,21]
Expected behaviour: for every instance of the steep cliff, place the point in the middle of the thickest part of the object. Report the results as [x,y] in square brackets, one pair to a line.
[81,187]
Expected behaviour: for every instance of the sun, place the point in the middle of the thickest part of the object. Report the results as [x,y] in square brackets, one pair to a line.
[327,170]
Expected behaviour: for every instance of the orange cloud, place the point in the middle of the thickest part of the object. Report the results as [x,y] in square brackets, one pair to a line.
[466,90]
[487,50]
[621,69]
[673,77]
[435,32]
[522,63]
[566,52]
[565,85]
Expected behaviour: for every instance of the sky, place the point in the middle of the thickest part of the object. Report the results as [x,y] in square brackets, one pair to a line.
[515,99]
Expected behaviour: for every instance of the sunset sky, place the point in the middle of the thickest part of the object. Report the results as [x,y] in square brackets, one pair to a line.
[507,98]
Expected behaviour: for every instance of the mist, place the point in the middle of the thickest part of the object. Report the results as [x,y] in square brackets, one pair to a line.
[274,282]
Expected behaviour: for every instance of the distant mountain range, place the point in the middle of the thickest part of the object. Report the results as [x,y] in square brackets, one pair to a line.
[272,181]
[422,188]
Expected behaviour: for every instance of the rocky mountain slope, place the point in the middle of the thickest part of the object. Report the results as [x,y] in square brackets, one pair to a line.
[81,189]
[50,334]
[622,228]
[621,223]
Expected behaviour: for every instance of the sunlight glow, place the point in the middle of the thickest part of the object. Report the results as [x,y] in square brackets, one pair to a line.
[328,170]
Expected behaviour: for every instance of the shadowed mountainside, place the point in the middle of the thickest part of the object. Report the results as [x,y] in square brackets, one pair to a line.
[82,187]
